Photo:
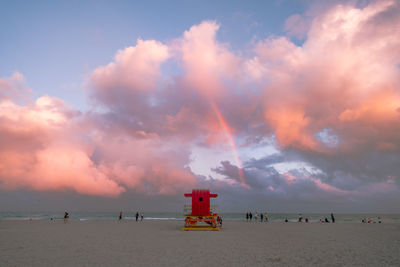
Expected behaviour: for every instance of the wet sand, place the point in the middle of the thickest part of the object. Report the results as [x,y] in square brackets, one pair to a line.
[161,243]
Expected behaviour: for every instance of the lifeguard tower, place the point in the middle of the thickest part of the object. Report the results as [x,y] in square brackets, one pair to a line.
[200,215]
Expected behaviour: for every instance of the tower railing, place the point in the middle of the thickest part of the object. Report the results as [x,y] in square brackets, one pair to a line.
[187,209]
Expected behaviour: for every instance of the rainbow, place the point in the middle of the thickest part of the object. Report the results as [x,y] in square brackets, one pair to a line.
[229,136]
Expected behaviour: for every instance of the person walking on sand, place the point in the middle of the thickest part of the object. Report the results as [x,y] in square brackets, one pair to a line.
[120,215]
[333,218]
[266,216]
[247,216]
[137,216]
[141,216]
[250,216]
[261,217]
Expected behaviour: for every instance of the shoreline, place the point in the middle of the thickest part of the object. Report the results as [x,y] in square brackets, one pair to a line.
[175,216]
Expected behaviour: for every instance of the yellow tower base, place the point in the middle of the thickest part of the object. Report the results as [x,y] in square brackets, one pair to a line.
[200,223]
[200,228]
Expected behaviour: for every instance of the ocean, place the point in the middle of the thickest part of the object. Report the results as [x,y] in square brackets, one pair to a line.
[273,217]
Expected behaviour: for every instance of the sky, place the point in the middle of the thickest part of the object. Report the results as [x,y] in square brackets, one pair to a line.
[280,106]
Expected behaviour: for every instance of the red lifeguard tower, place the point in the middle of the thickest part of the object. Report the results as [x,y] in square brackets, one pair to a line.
[200,215]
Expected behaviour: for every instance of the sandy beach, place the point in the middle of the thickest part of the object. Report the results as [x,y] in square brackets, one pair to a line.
[161,243]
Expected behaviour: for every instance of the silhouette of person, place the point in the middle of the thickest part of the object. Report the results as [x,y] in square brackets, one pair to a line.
[66,216]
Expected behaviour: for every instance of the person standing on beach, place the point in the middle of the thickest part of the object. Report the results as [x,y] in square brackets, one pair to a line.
[137,216]
[250,216]
[333,218]
[141,216]
[266,217]
[120,215]
[300,218]
[247,216]
[219,221]
[66,216]
[261,217]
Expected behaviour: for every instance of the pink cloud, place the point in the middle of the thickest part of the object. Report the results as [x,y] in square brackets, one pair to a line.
[150,164]
[297,26]
[135,70]
[344,77]
[271,188]
[38,153]
[329,188]
[289,179]
[206,61]
[13,87]
[46,145]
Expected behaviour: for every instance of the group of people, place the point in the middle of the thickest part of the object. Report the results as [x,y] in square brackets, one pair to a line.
[263,216]
[371,221]
[136,216]
[66,216]
[320,220]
